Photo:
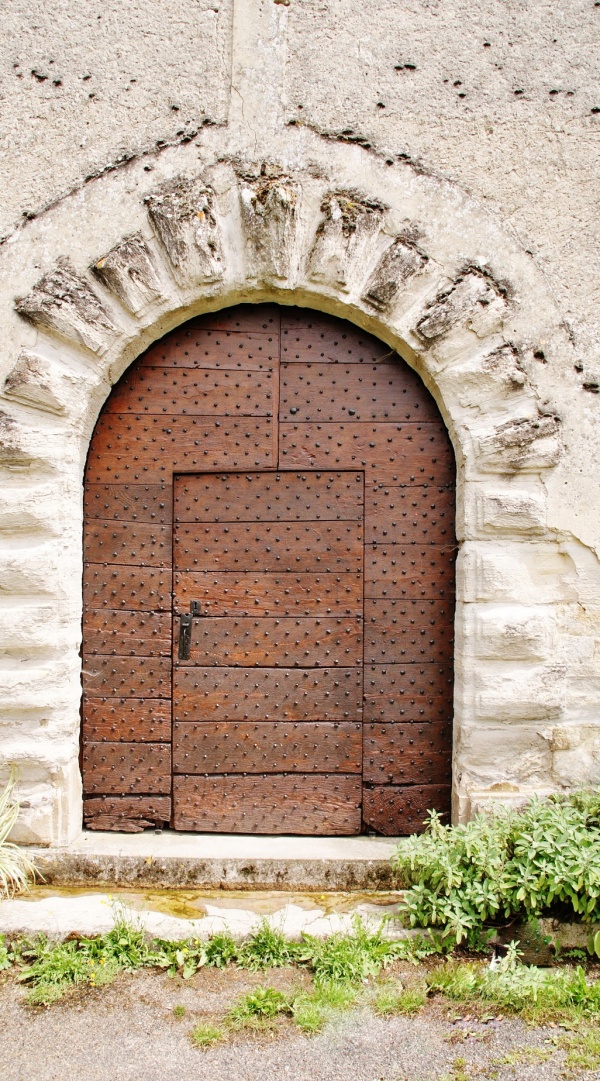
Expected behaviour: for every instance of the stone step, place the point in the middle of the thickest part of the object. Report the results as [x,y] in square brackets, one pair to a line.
[171,860]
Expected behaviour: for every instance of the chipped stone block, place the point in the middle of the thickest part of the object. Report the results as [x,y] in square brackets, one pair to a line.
[527,444]
[182,213]
[575,754]
[64,302]
[501,764]
[33,382]
[503,365]
[510,512]
[397,264]
[13,453]
[349,223]
[474,301]
[517,693]
[130,272]
[525,573]
[269,207]
[511,633]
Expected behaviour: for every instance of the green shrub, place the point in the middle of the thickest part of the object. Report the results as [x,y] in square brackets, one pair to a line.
[266,948]
[264,1003]
[544,859]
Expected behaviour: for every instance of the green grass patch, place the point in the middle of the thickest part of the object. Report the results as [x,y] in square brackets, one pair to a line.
[205,1035]
[394,998]
[262,1004]
[312,1010]
[536,994]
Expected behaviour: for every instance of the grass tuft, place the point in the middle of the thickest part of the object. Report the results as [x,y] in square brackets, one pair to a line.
[395,999]
[312,1010]
[206,1035]
[266,948]
[16,869]
[262,1004]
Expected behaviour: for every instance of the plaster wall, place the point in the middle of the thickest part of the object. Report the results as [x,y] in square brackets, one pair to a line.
[472,250]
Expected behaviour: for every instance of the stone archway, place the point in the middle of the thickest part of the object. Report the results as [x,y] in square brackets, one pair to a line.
[401,254]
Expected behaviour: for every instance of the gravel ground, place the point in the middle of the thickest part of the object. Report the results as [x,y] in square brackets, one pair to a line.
[127,1032]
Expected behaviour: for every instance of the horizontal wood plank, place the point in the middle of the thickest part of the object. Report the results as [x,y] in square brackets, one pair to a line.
[407,754]
[354,392]
[223,593]
[407,630]
[313,336]
[407,452]
[323,804]
[129,448]
[411,571]
[267,694]
[410,515]
[417,680]
[274,642]
[126,720]
[117,808]
[119,768]
[269,497]
[127,677]
[129,502]
[194,391]
[126,587]
[127,634]
[265,747]
[141,544]
[398,810]
[281,546]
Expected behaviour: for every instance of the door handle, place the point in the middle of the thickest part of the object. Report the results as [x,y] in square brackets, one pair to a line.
[185,637]
[186,623]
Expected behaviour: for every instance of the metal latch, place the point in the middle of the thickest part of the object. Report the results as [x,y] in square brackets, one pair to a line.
[185,630]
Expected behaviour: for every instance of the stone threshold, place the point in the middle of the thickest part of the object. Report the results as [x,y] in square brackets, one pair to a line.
[213,861]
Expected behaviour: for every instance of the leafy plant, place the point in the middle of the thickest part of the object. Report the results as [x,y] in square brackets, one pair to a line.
[16,869]
[266,948]
[54,967]
[347,958]
[264,1003]
[543,859]
[221,950]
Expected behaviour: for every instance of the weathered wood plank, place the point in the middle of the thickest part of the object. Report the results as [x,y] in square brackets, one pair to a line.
[224,593]
[127,634]
[126,720]
[265,747]
[126,587]
[272,546]
[313,336]
[268,497]
[286,641]
[396,811]
[127,677]
[129,502]
[140,544]
[120,768]
[410,515]
[194,391]
[407,754]
[411,571]
[398,631]
[409,453]
[354,392]
[128,448]
[266,694]
[324,804]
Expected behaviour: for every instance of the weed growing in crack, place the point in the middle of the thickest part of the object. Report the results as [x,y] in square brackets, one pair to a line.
[313,1009]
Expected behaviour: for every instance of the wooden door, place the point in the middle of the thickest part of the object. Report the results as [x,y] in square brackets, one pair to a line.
[268,653]
[231,418]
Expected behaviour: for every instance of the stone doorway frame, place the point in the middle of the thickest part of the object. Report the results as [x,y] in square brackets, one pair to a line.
[318,223]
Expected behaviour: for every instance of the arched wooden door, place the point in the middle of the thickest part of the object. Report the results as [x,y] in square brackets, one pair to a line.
[269,585]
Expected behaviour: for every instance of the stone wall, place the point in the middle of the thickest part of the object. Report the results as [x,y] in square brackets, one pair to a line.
[304,154]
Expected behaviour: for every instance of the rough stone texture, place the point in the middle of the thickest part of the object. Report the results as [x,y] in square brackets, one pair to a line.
[460,230]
